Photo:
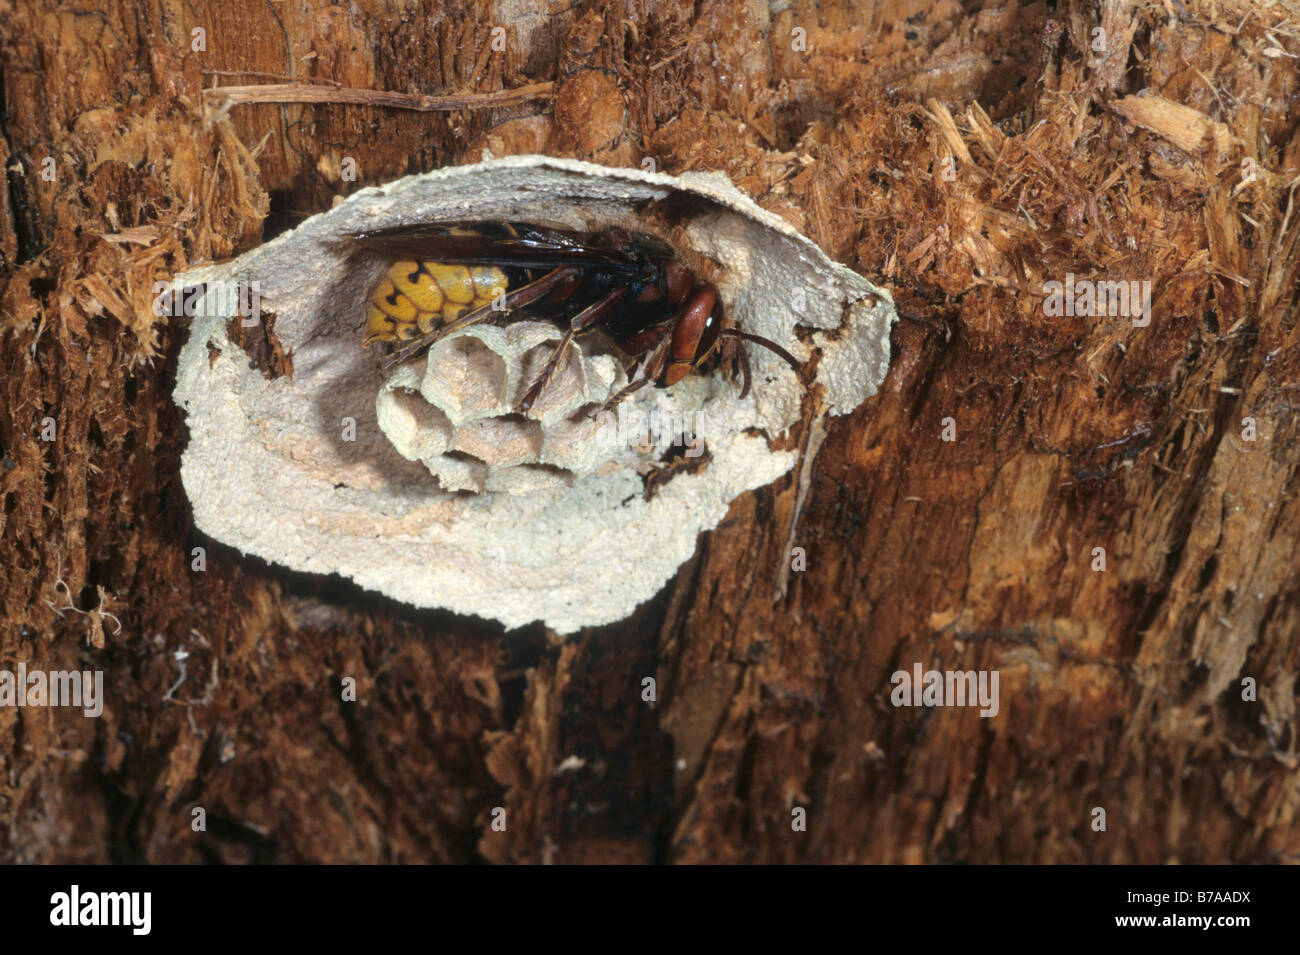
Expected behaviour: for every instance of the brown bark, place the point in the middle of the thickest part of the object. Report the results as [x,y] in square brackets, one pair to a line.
[1120,689]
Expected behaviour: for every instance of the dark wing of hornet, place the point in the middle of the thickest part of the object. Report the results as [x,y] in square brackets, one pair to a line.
[448,276]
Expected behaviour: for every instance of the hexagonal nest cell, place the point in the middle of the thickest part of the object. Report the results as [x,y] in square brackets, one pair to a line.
[453,409]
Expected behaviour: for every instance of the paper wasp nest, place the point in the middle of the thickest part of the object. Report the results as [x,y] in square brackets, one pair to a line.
[424,484]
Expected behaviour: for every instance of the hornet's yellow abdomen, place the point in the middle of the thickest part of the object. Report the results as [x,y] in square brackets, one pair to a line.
[414,298]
